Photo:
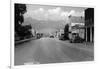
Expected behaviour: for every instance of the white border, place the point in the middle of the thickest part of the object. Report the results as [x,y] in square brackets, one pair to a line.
[12,35]
[42,65]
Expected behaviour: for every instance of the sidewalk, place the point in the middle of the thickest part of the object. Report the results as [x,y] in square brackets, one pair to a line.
[25,40]
[85,45]
[88,46]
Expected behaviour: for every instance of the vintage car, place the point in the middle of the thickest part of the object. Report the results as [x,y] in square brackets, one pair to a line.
[76,39]
[62,37]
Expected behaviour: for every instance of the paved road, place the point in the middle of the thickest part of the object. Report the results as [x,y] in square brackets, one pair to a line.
[50,50]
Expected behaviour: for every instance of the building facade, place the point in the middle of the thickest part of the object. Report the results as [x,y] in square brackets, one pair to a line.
[89,25]
[76,26]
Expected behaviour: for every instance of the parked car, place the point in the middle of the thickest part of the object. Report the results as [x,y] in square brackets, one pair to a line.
[62,37]
[76,39]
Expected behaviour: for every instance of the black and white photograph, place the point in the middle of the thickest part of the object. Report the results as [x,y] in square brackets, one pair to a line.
[46,34]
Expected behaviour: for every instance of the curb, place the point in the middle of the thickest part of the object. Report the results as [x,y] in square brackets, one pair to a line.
[25,40]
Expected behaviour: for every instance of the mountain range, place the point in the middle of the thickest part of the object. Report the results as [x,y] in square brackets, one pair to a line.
[45,26]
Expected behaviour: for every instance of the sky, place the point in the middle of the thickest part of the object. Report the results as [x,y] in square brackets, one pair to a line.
[53,13]
[49,18]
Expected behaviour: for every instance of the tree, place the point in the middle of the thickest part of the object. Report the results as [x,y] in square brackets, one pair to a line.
[66,32]
[21,31]
[20,9]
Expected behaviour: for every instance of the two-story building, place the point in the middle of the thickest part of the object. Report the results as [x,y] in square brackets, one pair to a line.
[89,25]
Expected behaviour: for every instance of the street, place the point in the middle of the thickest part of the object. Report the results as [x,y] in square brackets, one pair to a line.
[51,50]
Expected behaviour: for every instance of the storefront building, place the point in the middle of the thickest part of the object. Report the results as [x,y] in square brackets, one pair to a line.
[89,25]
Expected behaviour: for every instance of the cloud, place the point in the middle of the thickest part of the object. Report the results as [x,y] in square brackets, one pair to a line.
[41,9]
[74,13]
[54,11]
[71,12]
[54,14]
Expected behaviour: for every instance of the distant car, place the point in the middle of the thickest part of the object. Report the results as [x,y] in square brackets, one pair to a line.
[62,37]
[51,36]
[38,36]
